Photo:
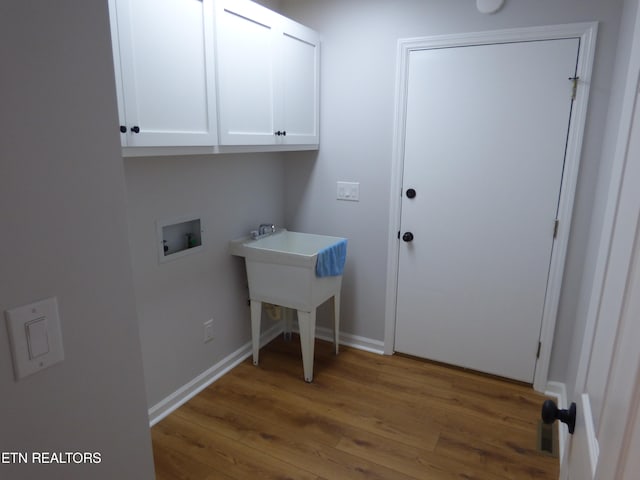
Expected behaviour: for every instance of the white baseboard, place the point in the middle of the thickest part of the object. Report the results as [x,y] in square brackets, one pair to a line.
[558,390]
[164,407]
[355,341]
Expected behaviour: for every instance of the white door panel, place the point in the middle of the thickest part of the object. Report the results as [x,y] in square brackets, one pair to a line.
[611,354]
[245,74]
[300,77]
[584,451]
[486,130]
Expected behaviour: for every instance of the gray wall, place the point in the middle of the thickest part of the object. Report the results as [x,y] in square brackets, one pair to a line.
[232,194]
[64,229]
[357,101]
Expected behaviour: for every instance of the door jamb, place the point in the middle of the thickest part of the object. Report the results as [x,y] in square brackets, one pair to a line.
[586,32]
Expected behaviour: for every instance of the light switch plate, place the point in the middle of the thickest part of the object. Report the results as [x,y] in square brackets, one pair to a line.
[35,337]
[348,191]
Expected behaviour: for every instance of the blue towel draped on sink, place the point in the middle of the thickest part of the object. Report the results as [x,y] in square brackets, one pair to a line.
[330,261]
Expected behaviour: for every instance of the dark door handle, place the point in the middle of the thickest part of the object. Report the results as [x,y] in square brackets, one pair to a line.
[551,413]
[407,237]
[411,193]
[135,129]
[123,129]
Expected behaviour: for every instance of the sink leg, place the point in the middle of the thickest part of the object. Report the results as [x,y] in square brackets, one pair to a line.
[288,321]
[307,325]
[336,320]
[256,316]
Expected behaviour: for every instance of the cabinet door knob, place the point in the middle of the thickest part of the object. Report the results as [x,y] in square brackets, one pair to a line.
[123,129]
[135,129]
[278,133]
[284,133]
[411,193]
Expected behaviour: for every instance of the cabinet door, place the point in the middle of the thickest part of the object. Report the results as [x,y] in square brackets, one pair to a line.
[115,42]
[246,73]
[299,56]
[167,71]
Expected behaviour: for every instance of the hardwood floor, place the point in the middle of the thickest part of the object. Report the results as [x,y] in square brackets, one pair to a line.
[365,416]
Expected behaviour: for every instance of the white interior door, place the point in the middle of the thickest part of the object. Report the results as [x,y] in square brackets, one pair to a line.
[485,137]
[608,385]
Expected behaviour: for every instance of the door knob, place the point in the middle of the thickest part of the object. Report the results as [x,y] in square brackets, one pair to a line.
[407,237]
[551,413]
[135,129]
[411,193]
[123,129]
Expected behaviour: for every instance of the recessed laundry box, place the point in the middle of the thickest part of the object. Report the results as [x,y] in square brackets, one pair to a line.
[177,237]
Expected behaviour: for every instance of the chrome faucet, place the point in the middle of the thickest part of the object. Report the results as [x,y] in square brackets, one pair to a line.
[264,230]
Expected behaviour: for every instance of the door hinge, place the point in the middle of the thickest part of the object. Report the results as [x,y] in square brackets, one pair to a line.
[574,89]
[556,225]
[539,348]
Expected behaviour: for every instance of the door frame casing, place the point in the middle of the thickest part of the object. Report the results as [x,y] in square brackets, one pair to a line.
[587,33]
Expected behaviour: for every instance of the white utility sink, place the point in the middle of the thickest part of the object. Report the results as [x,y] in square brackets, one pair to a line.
[281,269]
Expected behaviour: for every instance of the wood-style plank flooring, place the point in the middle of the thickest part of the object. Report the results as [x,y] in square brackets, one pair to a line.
[365,416]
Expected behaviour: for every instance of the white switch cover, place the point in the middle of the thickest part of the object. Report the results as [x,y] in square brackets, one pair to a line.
[35,337]
[349,191]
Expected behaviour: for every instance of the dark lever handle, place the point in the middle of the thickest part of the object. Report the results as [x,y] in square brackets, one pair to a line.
[407,237]
[551,413]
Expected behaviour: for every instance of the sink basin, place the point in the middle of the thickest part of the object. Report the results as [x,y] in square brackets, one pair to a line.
[281,271]
[283,247]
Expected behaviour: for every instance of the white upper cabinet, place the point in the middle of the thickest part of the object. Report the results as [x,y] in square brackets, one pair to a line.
[165,79]
[268,77]
[300,83]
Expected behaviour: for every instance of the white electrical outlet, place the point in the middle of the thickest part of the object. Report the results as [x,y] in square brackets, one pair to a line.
[348,191]
[208,330]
